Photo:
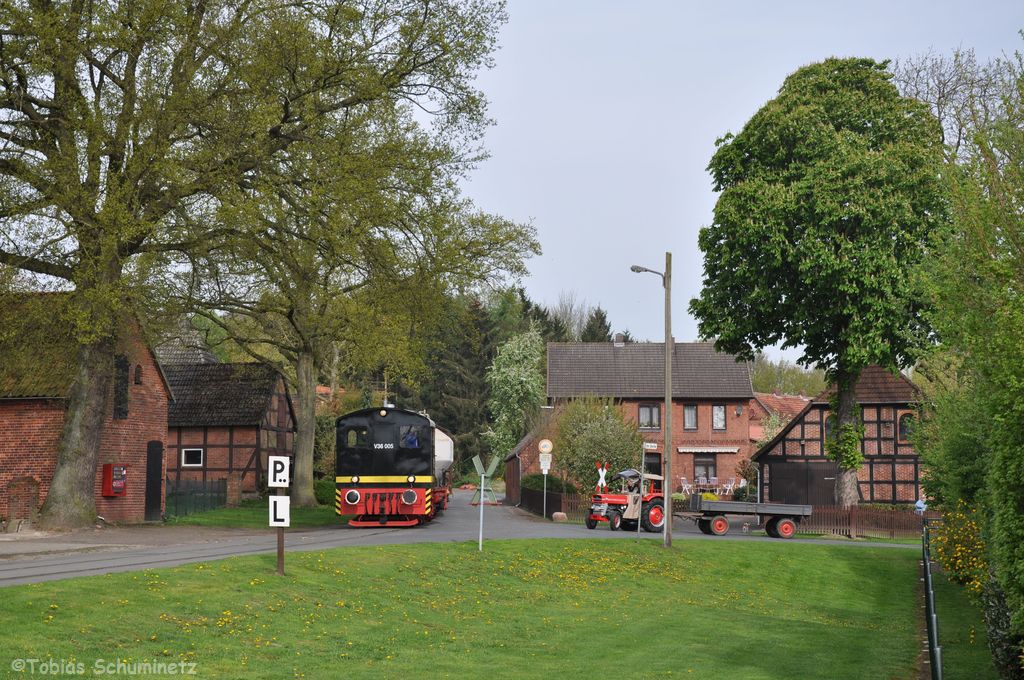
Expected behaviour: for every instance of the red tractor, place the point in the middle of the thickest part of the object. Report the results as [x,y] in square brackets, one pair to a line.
[640,500]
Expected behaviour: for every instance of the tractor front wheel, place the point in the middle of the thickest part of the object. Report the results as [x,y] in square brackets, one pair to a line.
[653,516]
[614,521]
[590,522]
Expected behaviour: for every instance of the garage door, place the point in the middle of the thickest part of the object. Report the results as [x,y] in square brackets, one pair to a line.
[803,483]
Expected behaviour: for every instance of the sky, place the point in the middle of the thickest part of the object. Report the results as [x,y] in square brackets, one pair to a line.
[607,114]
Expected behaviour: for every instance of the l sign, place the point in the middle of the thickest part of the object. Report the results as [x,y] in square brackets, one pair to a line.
[280,511]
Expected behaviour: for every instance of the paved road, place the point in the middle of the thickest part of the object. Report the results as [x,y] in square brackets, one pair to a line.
[51,557]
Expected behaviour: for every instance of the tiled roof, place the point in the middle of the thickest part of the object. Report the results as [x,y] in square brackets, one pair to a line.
[876,385]
[637,370]
[185,346]
[785,405]
[219,394]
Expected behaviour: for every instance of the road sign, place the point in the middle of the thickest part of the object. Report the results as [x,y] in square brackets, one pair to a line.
[544,446]
[279,470]
[545,462]
[650,446]
[280,511]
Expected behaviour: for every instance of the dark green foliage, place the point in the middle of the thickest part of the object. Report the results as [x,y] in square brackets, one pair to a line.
[323,447]
[324,490]
[555,484]
[591,429]
[597,328]
[828,197]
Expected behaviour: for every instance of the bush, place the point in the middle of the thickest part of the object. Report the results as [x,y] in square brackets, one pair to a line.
[324,490]
[744,493]
[708,496]
[536,482]
[958,547]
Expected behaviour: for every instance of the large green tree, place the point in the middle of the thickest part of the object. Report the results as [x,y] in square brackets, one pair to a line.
[828,198]
[125,123]
[516,381]
[590,430]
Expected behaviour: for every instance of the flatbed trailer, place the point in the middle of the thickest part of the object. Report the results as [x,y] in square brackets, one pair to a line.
[780,519]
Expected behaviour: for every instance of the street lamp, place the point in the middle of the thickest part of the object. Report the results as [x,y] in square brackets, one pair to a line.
[666,281]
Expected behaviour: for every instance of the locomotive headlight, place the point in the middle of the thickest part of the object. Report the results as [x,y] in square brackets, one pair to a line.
[411,478]
[409,497]
[355,480]
[352,497]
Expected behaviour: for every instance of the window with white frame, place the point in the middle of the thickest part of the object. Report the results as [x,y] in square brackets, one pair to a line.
[191,458]
[690,417]
[649,416]
[718,417]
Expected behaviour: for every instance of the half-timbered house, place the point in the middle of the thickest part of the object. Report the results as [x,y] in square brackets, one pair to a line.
[794,465]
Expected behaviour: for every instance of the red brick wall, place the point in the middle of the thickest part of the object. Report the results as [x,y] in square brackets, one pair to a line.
[30,431]
[735,435]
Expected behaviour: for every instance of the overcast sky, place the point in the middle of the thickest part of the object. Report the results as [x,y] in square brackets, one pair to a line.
[607,115]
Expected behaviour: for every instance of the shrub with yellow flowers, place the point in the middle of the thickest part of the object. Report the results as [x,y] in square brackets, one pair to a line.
[958,546]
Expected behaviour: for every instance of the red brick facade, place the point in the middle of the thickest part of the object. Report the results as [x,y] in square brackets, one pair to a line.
[721,449]
[238,449]
[30,433]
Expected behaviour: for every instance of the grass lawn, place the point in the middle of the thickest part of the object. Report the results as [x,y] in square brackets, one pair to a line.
[521,609]
[965,654]
[253,514]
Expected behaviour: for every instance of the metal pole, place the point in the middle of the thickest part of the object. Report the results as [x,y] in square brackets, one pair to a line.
[481,513]
[667,482]
[545,515]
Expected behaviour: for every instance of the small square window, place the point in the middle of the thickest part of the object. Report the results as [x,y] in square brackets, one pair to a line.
[690,417]
[650,417]
[718,417]
[191,458]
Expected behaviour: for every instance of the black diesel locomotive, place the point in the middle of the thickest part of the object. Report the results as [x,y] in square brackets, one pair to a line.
[391,467]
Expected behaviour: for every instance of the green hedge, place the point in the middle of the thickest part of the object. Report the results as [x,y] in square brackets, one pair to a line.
[536,482]
[323,489]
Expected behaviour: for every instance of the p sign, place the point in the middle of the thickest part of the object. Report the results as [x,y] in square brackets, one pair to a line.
[280,511]
[279,470]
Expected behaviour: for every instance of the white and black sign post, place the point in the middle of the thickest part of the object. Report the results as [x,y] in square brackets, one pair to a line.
[544,446]
[280,505]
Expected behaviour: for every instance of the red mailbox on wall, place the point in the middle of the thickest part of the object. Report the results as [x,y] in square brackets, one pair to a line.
[115,478]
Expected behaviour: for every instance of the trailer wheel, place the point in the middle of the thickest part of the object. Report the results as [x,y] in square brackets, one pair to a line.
[719,525]
[771,527]
[591,522]
[705,526]
[614,520]
[785,528]
[653,516]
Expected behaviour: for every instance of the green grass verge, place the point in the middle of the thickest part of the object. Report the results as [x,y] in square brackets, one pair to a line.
[253,514]
[520,609]
[965,653]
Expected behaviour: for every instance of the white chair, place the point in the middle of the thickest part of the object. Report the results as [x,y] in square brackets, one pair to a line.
[713,483]
[743,482]
[702,483]
[729,486]
[686,486]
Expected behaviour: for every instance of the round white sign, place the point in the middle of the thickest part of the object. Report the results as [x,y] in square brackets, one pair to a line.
[544,446]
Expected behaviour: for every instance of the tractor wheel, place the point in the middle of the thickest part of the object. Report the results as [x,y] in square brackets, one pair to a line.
[614,520]
[785,528]
[719,525]
[705,526]
[653,516]
[591,522]
[771,527]
[629,525]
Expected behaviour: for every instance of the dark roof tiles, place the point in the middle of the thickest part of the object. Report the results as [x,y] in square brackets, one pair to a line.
[637,370]
[219,394]
[877,385]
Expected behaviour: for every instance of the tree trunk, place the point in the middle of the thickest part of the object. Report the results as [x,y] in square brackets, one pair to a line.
[305,424]
[71,501]
[846,481]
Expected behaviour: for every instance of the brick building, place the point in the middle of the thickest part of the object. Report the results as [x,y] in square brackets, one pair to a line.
[764,406]
[794,466]
[711,396]
[225,420]
[35,378]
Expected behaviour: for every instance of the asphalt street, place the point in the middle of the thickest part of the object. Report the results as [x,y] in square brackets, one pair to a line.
[45,557]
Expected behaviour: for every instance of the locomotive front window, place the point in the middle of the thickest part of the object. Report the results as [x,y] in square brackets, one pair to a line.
[413,455]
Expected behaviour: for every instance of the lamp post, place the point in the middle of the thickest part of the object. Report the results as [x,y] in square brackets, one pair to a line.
[666,281]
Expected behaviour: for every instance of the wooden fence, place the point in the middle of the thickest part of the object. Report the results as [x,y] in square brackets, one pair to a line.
[185,497]
[856,522]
